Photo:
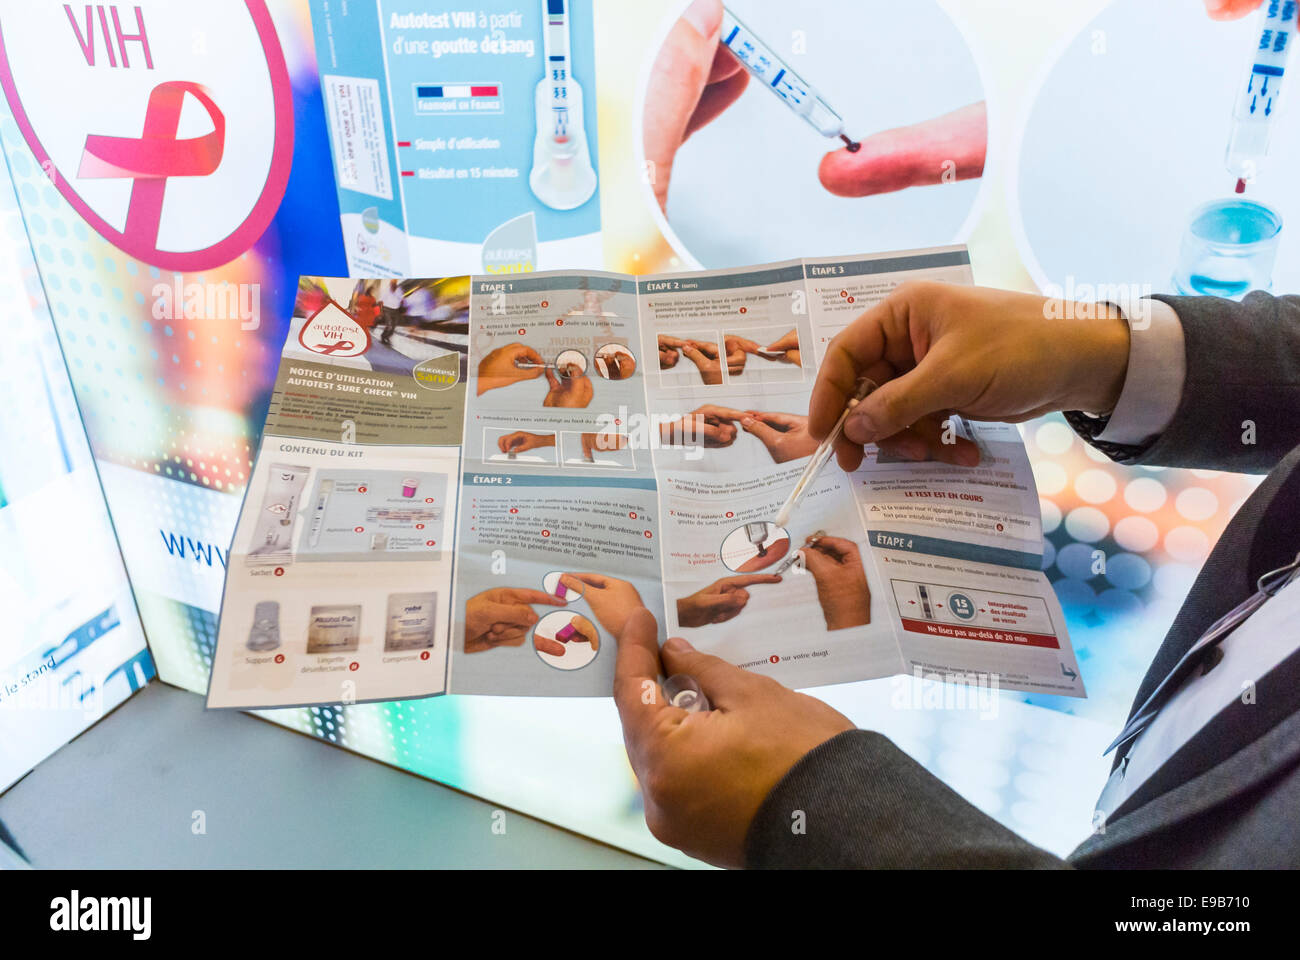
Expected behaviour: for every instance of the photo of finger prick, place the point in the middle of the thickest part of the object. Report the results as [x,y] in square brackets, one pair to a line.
[570,363]
[836,567]
[720,601]
[754,546]
[502,617]
[564,585]
[568,381]
[519,446]
[691,359]
[597,449]
[842,168]
[507,366]
[784,435]
[566,641]
[708,426]
[614,361]
[764,355]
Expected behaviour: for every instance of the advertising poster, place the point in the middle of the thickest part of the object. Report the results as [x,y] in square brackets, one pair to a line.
[464,136]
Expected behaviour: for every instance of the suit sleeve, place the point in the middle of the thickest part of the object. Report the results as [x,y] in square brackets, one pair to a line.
[859,801]
[1240,404]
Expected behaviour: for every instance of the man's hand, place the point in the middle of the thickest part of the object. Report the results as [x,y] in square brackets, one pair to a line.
[498,368]
[938,348]
[720,600]
[572,390]
[704,776]
[519,441]
[785,435]
[502,617]
[836,566]
[694,80]
[610,599]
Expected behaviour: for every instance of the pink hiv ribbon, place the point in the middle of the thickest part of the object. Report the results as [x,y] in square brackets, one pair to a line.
[341,345]
[148,161]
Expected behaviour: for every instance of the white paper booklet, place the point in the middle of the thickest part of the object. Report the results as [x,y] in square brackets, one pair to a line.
[465,485]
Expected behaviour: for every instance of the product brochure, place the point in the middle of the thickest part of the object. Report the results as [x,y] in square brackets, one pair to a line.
[466,484]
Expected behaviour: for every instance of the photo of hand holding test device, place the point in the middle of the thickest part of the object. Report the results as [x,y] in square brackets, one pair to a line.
[773,539]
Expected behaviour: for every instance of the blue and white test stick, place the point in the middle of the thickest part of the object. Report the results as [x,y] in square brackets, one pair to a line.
[1260,96]
[556,45]
[562,176]
[774,73]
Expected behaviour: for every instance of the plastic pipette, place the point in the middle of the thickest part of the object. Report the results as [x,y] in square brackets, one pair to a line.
[775,74]
[822,454]
[1260,96]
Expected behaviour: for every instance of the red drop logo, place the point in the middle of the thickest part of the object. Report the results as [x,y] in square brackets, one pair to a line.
[333,332]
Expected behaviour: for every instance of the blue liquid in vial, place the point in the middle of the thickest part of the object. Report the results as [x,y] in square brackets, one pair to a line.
[1229,249]
[1210,287]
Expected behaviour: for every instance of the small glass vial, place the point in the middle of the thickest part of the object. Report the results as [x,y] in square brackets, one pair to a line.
[683,691]
[1229,249]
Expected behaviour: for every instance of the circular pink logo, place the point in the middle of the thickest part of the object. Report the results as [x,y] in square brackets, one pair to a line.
[168,128]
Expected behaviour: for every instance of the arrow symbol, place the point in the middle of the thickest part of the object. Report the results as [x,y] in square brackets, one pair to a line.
[1068,673]
[1252,104]
[1269,109]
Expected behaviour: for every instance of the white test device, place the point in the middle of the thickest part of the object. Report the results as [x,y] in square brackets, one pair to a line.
[775,74]
[1259,97]
[562,176]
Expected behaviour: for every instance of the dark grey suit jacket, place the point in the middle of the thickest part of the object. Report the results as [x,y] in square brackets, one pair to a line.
[1229,797]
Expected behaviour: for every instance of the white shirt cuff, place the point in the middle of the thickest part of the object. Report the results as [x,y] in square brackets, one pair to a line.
[1157,368]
